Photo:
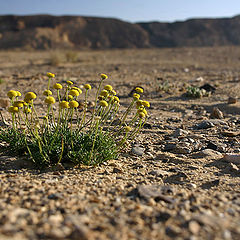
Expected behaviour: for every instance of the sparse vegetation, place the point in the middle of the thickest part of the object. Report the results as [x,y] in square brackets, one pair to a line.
[196,92]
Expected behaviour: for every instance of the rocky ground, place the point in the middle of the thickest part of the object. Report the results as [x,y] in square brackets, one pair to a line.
[172,182]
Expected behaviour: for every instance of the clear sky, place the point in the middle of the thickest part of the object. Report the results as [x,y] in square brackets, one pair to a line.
[128,10]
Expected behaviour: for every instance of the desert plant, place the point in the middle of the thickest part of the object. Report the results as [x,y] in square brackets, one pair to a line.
[55,58]
[71,56]
[195,92]
[71,134]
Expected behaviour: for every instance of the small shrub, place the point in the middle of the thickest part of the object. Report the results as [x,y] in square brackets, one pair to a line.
[56,58]
[71,134]
[71,56]
[1,81]
[195,92]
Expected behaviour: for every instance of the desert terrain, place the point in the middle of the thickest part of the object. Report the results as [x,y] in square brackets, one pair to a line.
[171,182]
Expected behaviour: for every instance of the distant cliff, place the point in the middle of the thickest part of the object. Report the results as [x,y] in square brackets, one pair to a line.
[46,32]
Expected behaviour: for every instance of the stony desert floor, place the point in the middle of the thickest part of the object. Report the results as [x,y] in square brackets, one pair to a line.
[172,182]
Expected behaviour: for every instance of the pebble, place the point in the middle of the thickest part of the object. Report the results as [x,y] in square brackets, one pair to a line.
[216,113]
[232,100]
[194,227]
[233,158]
[179,132]
[138,150]
[210,153]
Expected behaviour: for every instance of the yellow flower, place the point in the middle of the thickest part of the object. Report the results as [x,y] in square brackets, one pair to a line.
[70,97]
[87,86]
[104,76]
[50,100]
[114,92]
[141,115]
[19,94]
[108,87]
[116,99]
[146,104]
[30,96]
[103,103]
[64,104]
[128,129]
[47,93]
[139,90]
[139,103]
[27,101]
[12,94]
[78,89]
[57,86]
[74,92]
[50,75]
[73,104]
[69,82]
[136,96]
[27,110]
[104,93]
[13,109]
[18,104]
[143,110]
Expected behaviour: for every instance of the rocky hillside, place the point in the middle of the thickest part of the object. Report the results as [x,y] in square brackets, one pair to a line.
[45,32]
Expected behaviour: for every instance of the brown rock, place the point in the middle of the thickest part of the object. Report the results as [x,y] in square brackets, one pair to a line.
[232,100]
[216,113]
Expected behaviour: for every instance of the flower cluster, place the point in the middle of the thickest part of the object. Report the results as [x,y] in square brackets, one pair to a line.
[70,131]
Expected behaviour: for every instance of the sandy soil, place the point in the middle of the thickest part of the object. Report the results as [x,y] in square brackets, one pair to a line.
[171,183]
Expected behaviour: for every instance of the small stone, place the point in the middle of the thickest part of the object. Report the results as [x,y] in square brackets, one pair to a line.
[233,158]
[204,125]
[194,227]
[159,173]
[179,132]
[209,153]
[153,191]
[55,196]
[232,100]
[117,170]
[138,150]
[216,113]
[4,103]
[230,133]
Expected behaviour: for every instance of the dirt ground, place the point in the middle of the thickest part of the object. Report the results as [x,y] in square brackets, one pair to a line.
[172,182]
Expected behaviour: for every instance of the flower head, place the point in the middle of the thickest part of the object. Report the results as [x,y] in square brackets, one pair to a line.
[11,94]
[141,115]
[70,97]
[104,76]
[139,103]
[87,86]
[146,104]
[73,104]
[78,89]
[19,94]
[139,90]
[18,104]
[64,104]
[103,103]
[50,100]
[69,82]
[104,93]
[108,87]
[50,75]
[128,129]
[47,92]
[13,109]
[27,110]
[116,99]
[136,96]
[74,92]
[57,86]
[30,96]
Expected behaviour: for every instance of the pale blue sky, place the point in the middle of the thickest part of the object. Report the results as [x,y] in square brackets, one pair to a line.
[128,10]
